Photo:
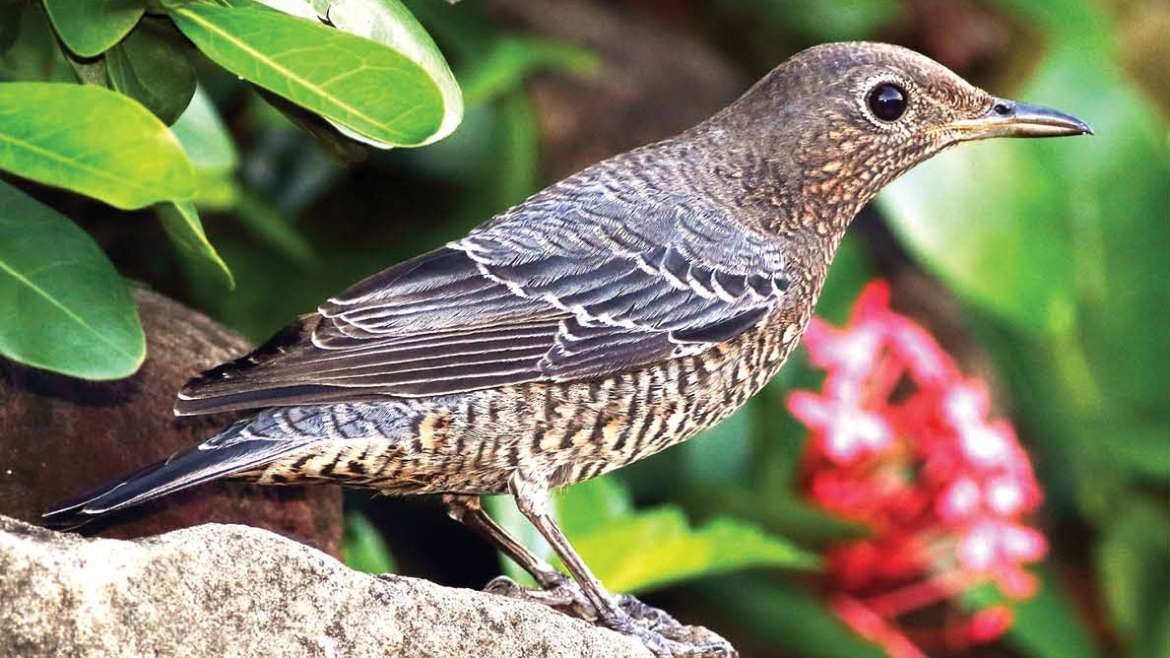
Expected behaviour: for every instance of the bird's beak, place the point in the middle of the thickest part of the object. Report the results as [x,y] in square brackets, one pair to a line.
[1008,118]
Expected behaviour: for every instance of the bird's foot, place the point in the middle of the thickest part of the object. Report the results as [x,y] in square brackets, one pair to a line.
[664,635]
[559,593]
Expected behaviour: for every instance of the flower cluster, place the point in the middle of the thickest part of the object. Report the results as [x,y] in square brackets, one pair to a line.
[901,442]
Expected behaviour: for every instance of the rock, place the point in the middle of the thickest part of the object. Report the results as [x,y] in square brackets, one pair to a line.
[61,436]
[229,590]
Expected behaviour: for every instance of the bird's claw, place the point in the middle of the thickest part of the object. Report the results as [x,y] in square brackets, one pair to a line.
[563,595]
[664,635]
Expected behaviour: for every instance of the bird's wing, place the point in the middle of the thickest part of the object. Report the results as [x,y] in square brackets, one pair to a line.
[574,283]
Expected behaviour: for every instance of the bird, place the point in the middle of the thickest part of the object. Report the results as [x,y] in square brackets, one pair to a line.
[610,316]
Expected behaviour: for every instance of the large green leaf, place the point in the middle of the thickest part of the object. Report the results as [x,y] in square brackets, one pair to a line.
[182,225]
[658,547]
[1025,228]
[988,219]
[390,23]
[402,95]
[92,141]
[90,27]
[65,307]
[151,67]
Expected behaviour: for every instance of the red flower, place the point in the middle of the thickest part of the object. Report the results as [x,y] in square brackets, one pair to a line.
[901,442]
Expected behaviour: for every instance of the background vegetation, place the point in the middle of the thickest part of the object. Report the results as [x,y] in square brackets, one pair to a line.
[254,144]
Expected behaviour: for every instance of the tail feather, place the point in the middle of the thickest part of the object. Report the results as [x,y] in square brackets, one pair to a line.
[219,457]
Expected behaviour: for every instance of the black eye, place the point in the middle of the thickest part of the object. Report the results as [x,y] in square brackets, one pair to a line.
[887,101]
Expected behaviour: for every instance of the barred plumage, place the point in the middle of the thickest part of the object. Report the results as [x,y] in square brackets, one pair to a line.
[604,319]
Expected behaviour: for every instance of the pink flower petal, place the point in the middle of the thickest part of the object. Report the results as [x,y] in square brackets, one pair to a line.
[960,500]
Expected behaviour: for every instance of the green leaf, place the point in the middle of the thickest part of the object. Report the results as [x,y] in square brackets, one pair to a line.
[986,220]
[402,95]
[341,149]
[67,308]
[205,138]
[182,226]
[1133,567]
[151,67]
[111,148]
[210,147]
[658,547]
[503,510]
[90,27]
[516,136]
[37,54]
[590,505]
[390,23]
[1048,626]
[362,548]
[1138,448]
[779,512]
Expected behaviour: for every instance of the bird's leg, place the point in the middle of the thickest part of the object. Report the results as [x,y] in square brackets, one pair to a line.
[469,511]
[624,614]
[557,589]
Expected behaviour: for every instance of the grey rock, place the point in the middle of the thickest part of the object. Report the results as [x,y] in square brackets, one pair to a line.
[229,590]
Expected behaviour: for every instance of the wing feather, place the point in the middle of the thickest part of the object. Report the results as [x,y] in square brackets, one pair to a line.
[577,282]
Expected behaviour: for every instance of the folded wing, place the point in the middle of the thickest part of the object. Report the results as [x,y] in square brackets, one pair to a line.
[575,283]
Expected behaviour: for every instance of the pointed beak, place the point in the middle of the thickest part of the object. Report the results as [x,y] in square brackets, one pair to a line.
[1008,118]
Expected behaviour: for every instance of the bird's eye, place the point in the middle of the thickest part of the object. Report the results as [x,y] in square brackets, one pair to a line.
[887,101]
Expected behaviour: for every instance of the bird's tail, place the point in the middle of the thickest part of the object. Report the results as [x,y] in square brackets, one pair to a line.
[233,451]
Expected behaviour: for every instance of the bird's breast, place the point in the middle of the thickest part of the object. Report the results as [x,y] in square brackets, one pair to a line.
[576,431]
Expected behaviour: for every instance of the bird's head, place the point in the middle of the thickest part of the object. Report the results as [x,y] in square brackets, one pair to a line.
[847,118]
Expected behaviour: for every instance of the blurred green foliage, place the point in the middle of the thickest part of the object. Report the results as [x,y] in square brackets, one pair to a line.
[362,546]
[1058,254]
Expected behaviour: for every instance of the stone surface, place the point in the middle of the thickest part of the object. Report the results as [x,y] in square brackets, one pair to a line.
[227,590]
[61,436]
